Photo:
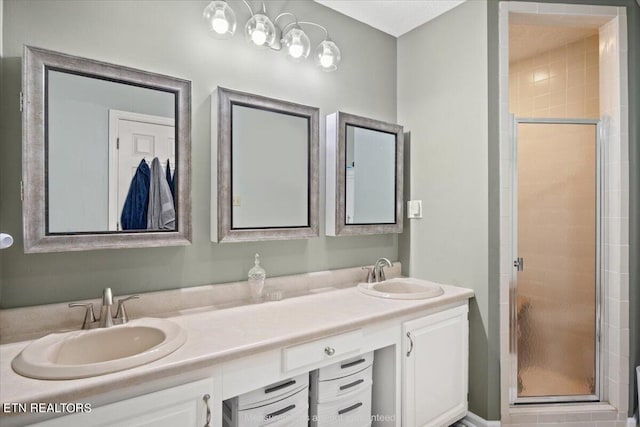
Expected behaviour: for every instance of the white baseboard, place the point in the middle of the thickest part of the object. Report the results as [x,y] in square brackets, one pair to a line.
[472,420]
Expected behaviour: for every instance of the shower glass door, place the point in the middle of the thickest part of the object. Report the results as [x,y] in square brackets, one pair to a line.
[555,287]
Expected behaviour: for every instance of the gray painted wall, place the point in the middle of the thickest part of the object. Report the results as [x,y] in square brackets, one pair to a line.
[169,37]
[442,102]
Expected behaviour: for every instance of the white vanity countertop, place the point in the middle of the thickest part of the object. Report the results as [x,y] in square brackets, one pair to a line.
[220,335]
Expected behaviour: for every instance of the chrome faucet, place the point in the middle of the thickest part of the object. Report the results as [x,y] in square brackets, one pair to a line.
[378,269]
[106,319]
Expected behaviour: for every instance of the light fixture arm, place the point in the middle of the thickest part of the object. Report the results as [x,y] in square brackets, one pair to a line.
[249,7]
[286,27]
[295,18]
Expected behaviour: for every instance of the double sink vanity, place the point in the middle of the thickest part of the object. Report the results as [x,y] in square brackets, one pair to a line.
[393,350]
[182,368]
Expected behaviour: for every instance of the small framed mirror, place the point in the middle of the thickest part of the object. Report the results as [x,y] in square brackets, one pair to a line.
[267,168]
[364,176]
[106,155]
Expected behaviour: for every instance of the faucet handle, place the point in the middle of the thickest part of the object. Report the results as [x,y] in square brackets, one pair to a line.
[121,313]
[89,317]
[369,274]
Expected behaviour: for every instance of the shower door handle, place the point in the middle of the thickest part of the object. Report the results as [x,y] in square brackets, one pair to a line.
[519,264]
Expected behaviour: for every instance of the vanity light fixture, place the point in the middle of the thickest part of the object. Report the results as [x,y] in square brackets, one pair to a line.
[220,19]
[262,32]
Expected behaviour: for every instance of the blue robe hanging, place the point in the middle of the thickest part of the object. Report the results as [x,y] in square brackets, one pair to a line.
[134,212]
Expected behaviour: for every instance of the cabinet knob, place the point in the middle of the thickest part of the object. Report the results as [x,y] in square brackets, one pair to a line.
[330,351]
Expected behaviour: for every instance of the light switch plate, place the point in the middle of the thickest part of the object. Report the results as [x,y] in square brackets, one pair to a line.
[414,209]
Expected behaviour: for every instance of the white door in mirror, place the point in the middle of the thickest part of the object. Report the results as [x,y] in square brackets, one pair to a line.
[414,209]
[133,137]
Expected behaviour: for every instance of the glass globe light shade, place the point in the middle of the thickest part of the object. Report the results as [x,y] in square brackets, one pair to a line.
[260,30]
[297,44]
[220,19]
[327,56]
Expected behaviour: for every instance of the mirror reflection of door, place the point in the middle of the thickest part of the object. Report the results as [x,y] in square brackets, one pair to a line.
[133,137]
[370,176]
[80,185]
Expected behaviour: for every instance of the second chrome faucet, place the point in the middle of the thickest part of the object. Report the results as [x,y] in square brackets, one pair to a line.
[106,319]
[376,274]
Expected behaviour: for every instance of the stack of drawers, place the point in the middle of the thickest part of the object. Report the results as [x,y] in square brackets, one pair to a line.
[284,404]
[341,393]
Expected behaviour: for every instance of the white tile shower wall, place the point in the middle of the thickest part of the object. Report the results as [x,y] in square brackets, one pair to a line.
[614,110]
[613,93]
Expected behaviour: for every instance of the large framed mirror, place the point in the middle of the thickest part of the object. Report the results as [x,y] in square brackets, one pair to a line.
[106,155]
[364,176]
[267,168]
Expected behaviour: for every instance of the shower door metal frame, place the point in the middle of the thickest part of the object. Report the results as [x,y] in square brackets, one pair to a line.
[513,285]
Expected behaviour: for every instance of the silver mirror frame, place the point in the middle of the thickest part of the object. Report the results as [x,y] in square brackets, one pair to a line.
[336,136]
[226,98]
[34,209]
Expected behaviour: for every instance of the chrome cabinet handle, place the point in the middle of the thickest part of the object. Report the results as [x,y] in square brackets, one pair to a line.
[206,398]
[330,351]
[353,384]
[411,341]
[354,363]
[280,386]
[350,408]
[279,412]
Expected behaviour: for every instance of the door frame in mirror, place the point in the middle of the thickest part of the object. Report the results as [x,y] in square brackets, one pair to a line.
[336,136]
[34,209]
[226,99]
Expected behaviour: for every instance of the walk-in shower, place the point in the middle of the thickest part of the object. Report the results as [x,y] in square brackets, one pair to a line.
[564,197]
[555,288]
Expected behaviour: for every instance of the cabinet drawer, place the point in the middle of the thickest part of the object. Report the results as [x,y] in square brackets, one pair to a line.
[345,367]
[290,411]
[272,393]
[352,410]
[320,350]
[327,391]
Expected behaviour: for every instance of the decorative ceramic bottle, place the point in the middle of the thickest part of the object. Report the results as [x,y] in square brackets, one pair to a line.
[256,279]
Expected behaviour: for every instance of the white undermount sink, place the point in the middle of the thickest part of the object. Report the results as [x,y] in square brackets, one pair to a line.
[87,353]
[402,288]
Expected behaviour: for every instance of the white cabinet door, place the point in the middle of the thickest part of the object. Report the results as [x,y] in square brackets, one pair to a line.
[435,368]
[182,406]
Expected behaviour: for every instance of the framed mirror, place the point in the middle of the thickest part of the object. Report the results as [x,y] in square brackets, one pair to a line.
[267,168]
[364,176]
[106,155]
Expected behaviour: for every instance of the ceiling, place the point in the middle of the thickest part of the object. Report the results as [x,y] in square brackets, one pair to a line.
[528,40]
[531,33]
[394,17]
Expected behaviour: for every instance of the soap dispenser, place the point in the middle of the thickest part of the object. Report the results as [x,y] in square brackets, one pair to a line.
[256,279]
